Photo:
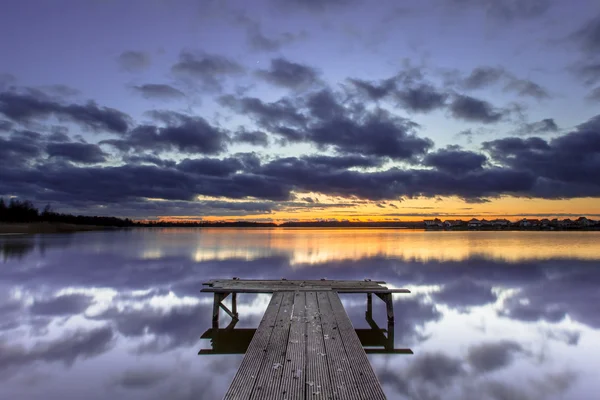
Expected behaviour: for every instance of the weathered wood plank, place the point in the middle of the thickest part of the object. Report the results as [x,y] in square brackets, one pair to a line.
[244,380]
[293,385]
[368,385]
[318,382]
[266,289]
[340,372]
[269,376]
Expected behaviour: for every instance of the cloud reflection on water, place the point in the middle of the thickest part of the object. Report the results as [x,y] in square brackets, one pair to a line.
[102,307]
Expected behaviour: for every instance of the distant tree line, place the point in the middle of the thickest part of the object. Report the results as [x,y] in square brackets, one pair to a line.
[24,211]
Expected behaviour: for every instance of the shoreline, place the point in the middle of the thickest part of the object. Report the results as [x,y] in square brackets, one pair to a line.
[46,227]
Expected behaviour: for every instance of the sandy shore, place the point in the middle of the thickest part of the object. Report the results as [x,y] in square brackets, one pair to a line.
[46,227]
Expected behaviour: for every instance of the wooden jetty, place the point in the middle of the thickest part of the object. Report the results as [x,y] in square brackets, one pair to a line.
[305,347]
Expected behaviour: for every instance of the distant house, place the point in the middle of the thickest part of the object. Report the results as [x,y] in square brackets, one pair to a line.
[566,223]
[501,223]
[433,223]
[485,222]
[453,223]
[584,222]
[545,222]
[529,223]
[474,223]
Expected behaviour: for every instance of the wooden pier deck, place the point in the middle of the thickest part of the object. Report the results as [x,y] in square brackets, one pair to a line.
[305,347]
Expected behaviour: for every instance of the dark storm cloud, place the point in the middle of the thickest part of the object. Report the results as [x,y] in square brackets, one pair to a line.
[421,98]
[343,162]
[375,91]
[133,61]
[67,349]
[547,125]
[84,153]
[5,125]
[471,109]
[25,107]
[321,119]
[19,148]
[70,304]
[525,87]
[271,116]
[435,368]
[488,357]
[588,36]
[142,378]
[508,10]
[158,91]
[594,94]
[482,77]
[208,69]
[174,328]
[210,166]
[148,159]
[455,161]
[289,74]
[255,138]
[465,293]
[318,5]
[563,165]
[587,71]
[186,134]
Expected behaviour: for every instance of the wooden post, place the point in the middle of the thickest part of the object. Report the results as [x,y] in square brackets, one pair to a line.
[234,305]
[390,306]
[215,316]
[369,305]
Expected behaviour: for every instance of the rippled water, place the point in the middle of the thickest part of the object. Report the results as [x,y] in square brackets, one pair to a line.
[107,315]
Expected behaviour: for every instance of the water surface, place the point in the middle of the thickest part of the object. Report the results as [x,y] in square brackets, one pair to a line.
[108,315]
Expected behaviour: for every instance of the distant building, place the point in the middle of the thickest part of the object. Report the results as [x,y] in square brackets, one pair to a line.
[433,223]
[453,223]
[474,223]
[584,222]
[501,223]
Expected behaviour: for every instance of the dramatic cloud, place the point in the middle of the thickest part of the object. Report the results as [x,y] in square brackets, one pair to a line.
[84,153]
[547,125]
[524,87]
[421,98]
[133,61]
[594,94]
[322,120]
[465,293]
[19,147]
[207,69]
[186,134]
[255,138]
[588,36]
[509,10]
[62,305]
[563,165]
[289,75]
[25,107]
[375,91]
[474,110]
[482,77]
[455,161]
[158,91]
[318,5]
[487,357]
[142,378]
[435,368]
[69,348]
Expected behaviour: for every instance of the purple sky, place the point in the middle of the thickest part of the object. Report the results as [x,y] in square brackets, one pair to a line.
[101,103]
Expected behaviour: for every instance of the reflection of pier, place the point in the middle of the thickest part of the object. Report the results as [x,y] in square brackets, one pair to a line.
[305,345]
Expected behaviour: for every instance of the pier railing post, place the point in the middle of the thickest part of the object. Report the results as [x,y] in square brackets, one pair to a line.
[215,316]
[234,305]
[369,305]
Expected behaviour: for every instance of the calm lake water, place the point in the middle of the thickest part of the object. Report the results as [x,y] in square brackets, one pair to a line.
[118,315]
